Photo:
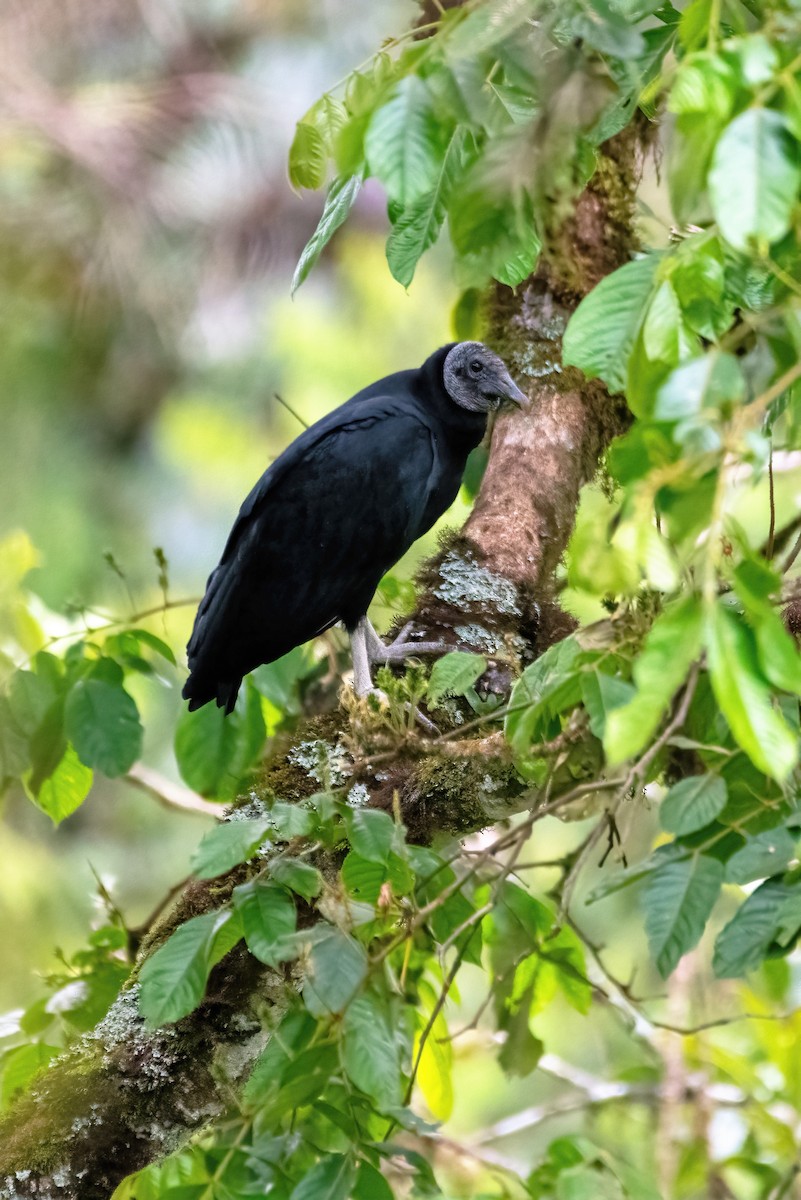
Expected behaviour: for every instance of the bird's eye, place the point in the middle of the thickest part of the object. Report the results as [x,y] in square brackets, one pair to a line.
[476,366]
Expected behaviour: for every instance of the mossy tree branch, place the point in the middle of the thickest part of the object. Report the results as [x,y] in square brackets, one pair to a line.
[123,1097]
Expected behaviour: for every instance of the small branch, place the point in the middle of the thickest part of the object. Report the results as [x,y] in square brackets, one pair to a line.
[772,496]
[171,795]
[792,556]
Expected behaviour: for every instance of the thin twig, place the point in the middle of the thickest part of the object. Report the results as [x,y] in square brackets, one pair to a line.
[171,795]
[772,497]
[291,410]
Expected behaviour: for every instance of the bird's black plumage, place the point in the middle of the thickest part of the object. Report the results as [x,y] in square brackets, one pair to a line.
[329,517]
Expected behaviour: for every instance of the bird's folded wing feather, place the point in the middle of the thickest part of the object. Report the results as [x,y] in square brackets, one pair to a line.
[344,501]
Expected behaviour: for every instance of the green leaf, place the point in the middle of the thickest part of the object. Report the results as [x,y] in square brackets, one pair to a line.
[601,694]
[492,228]
[370,1051]
[679,896]
[332,1178]
[268,920]
[13,743]
[370,833]
[286,1043]
[754,179]
[434,1076]
[291,820]
[454,674]
[215,751]
[767,853]
[20,1067]
[708,382]
[403,143]
[227,845]
[693,803]
[339,201]
[371,1184]
[660,333]
[672,645]
[173,979]
[418,226]
[743,943]
[335,970]
[307,157]
[66,789]
[601,333]
[744,697]
[364,880]
[298,876]
[102,722]
[547,687]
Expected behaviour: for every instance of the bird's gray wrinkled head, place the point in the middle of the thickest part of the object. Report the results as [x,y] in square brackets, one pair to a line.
[477,379]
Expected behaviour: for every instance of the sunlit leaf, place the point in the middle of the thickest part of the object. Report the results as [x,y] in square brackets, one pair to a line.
[679,896]
[601,332]
[754,179]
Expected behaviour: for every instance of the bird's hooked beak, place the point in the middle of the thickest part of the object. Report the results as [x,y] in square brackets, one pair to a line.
[511,392]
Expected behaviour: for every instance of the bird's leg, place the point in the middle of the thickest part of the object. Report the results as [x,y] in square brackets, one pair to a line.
[361,640]
[400,648]
[362,679]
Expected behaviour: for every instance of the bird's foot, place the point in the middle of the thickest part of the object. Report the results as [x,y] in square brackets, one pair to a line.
[402,647]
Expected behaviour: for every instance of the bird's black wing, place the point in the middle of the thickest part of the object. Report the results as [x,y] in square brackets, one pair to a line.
[313,539]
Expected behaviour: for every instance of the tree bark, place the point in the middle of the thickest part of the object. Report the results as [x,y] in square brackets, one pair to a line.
[123,1097]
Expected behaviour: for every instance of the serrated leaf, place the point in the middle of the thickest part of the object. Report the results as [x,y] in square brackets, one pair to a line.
[419,224]
[679,897]
[338,203]
[65,789]
[335,970]
[173,979]
[693,803]
[364,880]
[672,645]
[744,697]
[754,179]
[767,853]
[601,333]
[102,722]
[298,876]
[292,820]
[370,1051]
[307,157]
[268,920]
[227,845]
[454,674]
[547,687]
[492,228]
[742,944]
[371,834]
[331,1178]
[403,143]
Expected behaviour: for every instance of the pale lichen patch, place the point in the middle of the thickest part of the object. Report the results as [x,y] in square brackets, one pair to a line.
[462,581]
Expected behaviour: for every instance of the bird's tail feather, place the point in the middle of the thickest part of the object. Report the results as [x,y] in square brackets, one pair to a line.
[199,691]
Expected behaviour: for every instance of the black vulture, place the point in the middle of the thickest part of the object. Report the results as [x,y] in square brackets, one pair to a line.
[334,512]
